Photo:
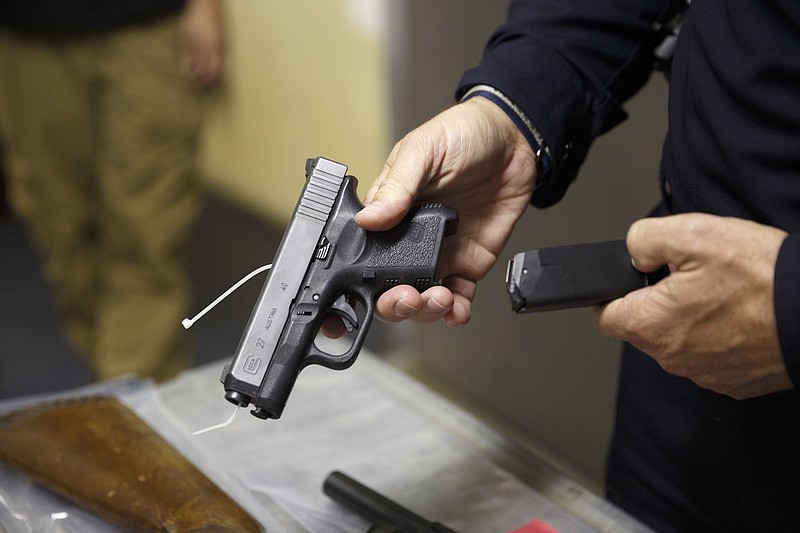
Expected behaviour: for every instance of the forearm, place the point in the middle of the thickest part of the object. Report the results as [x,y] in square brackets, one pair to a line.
[572,86]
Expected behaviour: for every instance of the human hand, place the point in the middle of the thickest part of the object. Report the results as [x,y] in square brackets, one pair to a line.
[203,42]
[712,320]
[473,158]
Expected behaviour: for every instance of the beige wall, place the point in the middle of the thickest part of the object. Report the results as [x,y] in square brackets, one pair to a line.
[304,79]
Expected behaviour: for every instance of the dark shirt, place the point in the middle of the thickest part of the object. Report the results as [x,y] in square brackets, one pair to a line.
[60,16]
[733,148]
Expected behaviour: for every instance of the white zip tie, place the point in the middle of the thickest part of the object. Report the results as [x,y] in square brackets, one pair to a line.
[219,426]
[187,323]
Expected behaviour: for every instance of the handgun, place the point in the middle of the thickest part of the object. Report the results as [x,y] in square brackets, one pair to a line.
[580,275]
[326,264]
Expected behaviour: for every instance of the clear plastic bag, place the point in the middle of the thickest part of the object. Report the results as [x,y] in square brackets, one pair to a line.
[26,507]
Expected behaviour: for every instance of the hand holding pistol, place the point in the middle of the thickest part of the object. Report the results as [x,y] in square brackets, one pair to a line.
[326,264]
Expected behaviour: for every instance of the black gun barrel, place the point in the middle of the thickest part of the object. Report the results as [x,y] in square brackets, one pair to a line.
[375,507]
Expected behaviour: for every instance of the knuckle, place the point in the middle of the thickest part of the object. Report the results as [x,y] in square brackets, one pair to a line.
[637,231]
[696,233]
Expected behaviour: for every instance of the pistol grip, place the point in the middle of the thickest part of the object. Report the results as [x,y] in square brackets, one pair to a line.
[409,252]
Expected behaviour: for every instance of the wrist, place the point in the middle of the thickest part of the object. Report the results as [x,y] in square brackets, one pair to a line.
[523,124]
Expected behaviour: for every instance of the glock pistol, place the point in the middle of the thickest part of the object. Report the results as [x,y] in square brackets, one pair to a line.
[326,264]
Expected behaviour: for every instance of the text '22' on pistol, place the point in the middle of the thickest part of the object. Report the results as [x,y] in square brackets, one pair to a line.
[326,264]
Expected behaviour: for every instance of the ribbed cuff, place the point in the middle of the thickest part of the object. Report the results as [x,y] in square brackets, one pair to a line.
[523,123]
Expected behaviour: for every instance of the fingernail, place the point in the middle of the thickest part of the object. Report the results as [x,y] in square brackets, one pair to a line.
[435,308]
[371,208]
[402,309]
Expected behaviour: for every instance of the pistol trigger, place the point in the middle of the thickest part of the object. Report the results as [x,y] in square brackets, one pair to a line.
[342,308]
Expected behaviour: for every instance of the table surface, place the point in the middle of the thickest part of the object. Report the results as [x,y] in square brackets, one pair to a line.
[372,422]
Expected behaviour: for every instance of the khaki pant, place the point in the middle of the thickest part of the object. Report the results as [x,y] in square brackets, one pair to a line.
[100,137]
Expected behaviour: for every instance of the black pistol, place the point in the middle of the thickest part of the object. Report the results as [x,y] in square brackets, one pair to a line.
[327,264]
[580,275]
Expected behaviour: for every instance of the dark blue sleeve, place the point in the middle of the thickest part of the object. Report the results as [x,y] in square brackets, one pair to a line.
[570,65]
[787,304]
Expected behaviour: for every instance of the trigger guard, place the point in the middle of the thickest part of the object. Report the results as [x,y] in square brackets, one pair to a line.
[342,361]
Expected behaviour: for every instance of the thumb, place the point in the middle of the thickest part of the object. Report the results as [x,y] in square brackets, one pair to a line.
[387,206]
[394,191]
[655,242]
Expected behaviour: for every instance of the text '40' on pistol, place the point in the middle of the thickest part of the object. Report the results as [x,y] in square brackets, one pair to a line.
[325,264]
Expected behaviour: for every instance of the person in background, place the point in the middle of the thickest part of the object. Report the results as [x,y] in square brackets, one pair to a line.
[707,430]
[3,201]
[101,115]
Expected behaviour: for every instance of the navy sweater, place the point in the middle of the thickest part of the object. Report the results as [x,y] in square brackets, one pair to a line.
[733,148]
